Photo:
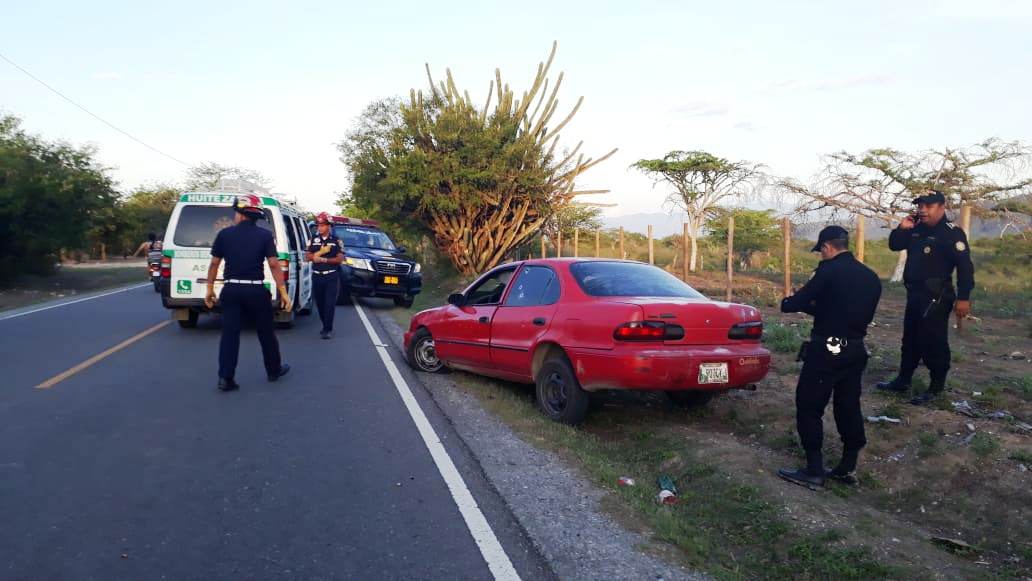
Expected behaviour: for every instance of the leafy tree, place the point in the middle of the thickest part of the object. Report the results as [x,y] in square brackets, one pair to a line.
[51,195]
[478,180]
[755,230]
[208,175]
[701,182]
[572,217]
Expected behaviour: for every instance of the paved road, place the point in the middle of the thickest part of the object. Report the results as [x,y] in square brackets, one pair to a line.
[136,467]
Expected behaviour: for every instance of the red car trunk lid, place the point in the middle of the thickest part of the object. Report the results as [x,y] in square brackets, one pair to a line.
[705,322]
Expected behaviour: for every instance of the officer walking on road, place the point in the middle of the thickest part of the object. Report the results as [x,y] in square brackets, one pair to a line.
[842,296]
[244,247]
[935,246]
[327,252]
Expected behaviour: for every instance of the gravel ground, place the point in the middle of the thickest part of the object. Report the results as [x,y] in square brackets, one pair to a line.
[561,512]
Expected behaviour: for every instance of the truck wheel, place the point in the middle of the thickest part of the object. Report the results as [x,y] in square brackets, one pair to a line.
[421,354]
[190,322]
[559,394]
[404,302]
[691,397]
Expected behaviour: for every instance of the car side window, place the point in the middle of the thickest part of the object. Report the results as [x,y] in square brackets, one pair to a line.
[490,290]
[535,285]
[291,238]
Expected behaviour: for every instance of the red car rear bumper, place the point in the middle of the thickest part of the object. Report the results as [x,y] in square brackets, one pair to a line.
[667,367]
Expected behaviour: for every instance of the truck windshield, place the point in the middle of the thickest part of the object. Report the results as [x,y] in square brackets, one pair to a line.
[363,237]
[198,225]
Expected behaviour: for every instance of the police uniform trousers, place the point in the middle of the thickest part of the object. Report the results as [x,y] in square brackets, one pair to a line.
[324,290]
[826,375]
[242,302]
[926,331]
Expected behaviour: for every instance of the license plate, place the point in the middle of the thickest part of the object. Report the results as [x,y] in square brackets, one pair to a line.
[713,373]
[390,280]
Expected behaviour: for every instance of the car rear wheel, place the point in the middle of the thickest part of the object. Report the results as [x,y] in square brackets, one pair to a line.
[421,353]
[191,320]
[404,302]
[691,398]
[559,394]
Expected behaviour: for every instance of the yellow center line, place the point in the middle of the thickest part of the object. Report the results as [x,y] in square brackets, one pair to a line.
[66,374]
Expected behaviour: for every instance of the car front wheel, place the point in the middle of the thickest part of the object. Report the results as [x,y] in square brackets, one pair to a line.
[404,302]
[559,394]
[421,353]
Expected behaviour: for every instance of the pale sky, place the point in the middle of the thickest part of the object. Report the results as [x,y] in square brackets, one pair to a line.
[274,85]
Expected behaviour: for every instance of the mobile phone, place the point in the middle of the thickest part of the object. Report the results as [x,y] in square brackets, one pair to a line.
[915,218]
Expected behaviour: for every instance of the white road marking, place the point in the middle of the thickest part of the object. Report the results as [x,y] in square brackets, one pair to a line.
[89,298]
[492,551]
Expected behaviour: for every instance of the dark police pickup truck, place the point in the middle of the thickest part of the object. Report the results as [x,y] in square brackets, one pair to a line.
[374,266]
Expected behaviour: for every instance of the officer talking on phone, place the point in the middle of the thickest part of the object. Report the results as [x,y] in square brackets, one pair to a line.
[842,296]
[935,247]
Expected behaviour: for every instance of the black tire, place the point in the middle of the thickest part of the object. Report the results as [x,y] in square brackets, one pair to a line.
[421,355]
[404,302]
[191,322]
[691,398]
[559,394]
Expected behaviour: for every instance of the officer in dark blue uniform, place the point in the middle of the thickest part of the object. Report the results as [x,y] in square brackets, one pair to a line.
[935,247]
[326,251]
[245,247]
[842,296]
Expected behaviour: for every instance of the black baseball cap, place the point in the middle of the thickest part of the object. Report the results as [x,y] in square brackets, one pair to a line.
[830,233]
[933,197]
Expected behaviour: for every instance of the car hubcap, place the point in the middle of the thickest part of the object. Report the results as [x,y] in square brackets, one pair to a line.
[555,393]
[426,356]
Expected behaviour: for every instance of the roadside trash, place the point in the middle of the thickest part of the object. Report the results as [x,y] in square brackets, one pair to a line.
[625,481]
[967,439]
[665,482]
[1002,415]
[896,457]
[1022,467]
[666,497]
[976,393]
[970,427]
[1027,428]
[954,545]
[1017,355]
[883,420]
[964,407]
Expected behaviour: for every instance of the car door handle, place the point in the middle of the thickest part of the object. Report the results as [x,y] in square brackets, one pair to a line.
[483,320]
[540,321]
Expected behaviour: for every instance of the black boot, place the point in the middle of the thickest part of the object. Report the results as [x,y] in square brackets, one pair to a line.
[898,384]
[935,389]
[812,476]
[228,384]
[845,472]
[924,398]
[282,371]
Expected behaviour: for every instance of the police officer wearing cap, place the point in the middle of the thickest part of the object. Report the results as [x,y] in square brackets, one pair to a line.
[842,296]
[326,251]
[935,247]
[244,247]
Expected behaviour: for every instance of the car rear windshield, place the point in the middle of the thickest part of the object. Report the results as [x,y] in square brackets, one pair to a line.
[363,237]
[629,279]
[198,225]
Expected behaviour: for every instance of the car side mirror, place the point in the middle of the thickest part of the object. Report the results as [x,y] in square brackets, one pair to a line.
[457,299]
[402,250]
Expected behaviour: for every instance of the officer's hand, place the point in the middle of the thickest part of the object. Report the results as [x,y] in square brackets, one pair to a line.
[284,299]
[962,309]
[209,298]
[907,223]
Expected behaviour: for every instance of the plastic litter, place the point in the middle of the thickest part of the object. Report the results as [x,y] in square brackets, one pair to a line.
[666,497]
[964,407]
[665,482]
[883,420]
[625,481]
[954,545]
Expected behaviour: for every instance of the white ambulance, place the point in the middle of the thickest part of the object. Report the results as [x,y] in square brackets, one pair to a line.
[196,219]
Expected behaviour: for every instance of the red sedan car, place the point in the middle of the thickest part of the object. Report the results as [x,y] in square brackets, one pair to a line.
[572,326]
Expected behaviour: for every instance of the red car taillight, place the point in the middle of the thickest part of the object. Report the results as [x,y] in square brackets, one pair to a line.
[751,330]
[166,267]
[648,331]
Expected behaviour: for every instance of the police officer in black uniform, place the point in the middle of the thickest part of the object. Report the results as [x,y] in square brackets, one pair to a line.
[842,296]
[327,252]
[245,247]
[935,247]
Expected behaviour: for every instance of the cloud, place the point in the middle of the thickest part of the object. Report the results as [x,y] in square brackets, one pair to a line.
[745,126]
[106,76]
[700,109]
[832,84]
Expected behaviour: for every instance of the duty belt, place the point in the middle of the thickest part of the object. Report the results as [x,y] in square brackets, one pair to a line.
[324,271]
[242,281]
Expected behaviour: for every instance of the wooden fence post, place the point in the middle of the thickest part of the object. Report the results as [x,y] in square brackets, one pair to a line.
[559,244]
[730,254]
[576,242]
[597,247]
[543,255]
[786,233]
[623,255]
[685,250]
[860,235]
[652,254]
